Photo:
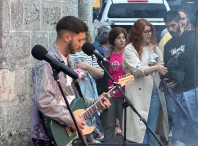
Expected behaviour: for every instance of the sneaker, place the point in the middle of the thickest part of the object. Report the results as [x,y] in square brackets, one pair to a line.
[90,139]
[96,141]
[98,136]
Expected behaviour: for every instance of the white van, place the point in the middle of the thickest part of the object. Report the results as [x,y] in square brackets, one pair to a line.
[125,12]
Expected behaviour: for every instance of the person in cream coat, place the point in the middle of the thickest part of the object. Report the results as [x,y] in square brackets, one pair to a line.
[143,59]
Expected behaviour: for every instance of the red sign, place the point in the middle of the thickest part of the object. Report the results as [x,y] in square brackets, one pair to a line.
[145,1]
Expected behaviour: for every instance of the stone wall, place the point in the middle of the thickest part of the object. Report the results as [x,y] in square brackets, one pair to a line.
[85,12]
[23,24]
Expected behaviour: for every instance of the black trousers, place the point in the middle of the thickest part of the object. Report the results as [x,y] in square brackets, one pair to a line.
[108,118]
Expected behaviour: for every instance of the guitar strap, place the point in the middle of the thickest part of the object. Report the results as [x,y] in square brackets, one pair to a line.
[78,89]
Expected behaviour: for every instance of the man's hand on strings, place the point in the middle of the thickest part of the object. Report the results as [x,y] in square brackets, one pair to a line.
[105,103]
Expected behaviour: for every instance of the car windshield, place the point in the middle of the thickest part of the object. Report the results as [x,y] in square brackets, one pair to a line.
[137,10]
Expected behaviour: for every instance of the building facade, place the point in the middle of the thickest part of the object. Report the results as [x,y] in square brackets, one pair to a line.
[23,24]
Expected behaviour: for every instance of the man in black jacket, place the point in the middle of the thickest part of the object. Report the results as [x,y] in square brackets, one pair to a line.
[179,54]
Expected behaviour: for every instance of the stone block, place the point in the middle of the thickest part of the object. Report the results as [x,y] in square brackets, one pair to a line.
[5,15]
[65,8]
[7,86]
[33,60]
[38,38]
[50,15]
[52,38]
[85,10]
[1,7]
[17,138]
[74,8]
[2,58]
[22,84]
[1,49]
[17,15]
[32,11]
[16,47]
[16,111]
[29,82]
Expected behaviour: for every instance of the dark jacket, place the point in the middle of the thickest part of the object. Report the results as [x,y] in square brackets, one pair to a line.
[102,84]
[181,70]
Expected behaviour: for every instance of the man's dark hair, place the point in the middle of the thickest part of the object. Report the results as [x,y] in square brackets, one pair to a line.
[71,23]
[103,38]
[172,15]
[114,33]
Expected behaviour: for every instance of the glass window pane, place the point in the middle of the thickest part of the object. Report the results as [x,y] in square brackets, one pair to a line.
[144,10]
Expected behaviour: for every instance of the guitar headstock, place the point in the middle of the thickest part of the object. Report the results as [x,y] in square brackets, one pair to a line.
[126,79]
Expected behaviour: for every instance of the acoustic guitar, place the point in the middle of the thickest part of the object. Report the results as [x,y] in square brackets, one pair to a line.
[64,135]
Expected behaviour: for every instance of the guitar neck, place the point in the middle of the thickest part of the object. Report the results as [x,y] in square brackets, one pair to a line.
[92,109]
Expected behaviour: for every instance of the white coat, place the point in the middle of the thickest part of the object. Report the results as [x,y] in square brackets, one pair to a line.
[139,92]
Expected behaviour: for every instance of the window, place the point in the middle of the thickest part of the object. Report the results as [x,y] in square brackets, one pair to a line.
[137,10]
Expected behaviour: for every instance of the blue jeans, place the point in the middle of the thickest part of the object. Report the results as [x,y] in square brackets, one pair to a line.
[184,129]
[88,88]
[155,106]
[171,107]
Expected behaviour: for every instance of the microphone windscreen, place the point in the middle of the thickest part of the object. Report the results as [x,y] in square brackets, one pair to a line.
[39,52]
[88,48]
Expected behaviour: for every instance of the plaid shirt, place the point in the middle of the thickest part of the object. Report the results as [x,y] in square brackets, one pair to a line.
[47,97]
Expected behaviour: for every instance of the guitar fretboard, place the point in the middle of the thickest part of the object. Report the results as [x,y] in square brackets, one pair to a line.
[92,109]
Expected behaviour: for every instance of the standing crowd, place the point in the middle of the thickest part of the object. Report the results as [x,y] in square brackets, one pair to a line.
[164,85]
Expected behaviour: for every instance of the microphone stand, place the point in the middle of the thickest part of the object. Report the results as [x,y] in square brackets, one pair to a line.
[56,71]
[127,103]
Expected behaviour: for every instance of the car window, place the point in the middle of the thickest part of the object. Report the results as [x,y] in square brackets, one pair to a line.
[137,10]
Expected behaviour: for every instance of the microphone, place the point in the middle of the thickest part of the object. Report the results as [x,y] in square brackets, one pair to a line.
[40,53]
[89,49]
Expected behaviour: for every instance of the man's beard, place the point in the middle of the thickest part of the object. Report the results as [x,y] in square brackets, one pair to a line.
[70,48]
[177,33]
